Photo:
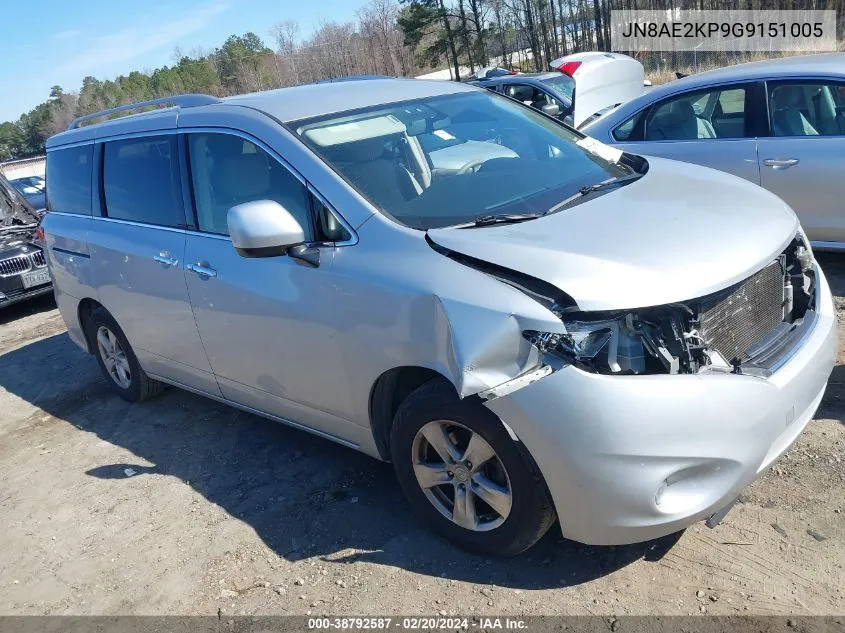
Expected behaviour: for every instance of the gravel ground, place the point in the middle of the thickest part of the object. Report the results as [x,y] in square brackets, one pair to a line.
[184,506]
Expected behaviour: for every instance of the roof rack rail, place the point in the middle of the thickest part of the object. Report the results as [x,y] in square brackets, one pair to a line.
[183,101]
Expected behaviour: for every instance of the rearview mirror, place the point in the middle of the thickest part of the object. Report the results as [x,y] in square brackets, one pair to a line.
[263,228]
[552,109]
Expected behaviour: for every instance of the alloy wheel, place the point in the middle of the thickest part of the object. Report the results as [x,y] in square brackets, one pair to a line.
[113,357]
[461,475]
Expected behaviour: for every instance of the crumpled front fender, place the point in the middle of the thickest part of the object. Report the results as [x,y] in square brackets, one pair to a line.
[480,347]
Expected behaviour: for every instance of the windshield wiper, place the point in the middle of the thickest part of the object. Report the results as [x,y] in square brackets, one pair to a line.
[505,218]
[608,183]
[585,191]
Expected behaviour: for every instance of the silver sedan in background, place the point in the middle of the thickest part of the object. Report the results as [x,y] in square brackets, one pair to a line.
[779,123]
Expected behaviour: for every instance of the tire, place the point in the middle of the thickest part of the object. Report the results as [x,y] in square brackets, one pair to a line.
[499,528]
[137,386]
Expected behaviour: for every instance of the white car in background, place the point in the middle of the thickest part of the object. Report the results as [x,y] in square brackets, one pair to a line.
[578,88]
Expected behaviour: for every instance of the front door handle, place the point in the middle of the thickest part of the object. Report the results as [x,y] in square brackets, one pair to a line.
[780,163]
[202,269]
[165,259]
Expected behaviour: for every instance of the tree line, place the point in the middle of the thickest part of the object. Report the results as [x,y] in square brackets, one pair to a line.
[390,37]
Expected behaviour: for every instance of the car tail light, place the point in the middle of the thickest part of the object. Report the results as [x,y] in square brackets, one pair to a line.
[569,68]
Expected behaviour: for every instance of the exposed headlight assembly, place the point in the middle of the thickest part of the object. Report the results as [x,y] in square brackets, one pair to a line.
[621,343]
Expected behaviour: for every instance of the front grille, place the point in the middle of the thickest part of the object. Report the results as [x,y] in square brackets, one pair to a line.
[752,310]
[14,265]
[38,258]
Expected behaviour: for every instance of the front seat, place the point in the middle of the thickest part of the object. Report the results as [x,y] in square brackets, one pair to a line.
[677,121]
[377,173]
[787,119]
[239,177]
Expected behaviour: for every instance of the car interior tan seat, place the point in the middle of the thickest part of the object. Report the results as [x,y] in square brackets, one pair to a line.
[787,118]
[377,171]
[242,178]
[677,121]
[529,95]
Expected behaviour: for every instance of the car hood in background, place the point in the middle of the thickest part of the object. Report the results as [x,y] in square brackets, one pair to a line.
[679,232]
[14,208]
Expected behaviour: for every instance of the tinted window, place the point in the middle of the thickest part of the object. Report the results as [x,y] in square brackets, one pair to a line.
[807,109]
[227,170]
[707,114]
[141,181]
[69,178]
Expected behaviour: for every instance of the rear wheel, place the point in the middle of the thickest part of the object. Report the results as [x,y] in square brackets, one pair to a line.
[465,476]
[117,360]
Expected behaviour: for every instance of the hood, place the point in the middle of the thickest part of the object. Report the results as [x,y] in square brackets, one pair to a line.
[14,208]
[678,233]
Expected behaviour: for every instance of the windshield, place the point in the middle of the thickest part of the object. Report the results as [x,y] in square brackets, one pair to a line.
[29,186]
[562,83]
[448,160]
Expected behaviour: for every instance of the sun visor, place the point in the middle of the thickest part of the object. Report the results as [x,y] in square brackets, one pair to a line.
[352,131]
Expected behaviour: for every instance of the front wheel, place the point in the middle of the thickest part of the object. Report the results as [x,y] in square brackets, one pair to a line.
[465,476]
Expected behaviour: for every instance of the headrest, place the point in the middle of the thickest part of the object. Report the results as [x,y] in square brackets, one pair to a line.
[785,97]
[678,113]
[361,151]
[523,93]
[245,175]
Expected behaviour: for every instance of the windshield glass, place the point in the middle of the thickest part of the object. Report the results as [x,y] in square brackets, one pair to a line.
[447,160]
[28,186]
[562,83]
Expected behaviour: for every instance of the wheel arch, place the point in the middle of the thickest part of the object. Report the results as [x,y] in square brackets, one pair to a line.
[84,311]
[387,394]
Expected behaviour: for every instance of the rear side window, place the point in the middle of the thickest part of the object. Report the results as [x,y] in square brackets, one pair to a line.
[141,181]
[69,179]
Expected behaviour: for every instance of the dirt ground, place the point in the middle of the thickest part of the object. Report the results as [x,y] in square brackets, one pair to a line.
[227,513]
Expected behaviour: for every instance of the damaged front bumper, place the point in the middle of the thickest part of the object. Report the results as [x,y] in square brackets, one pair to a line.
[632,458]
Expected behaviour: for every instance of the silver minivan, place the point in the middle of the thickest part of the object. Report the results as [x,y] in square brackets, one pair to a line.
[528,324]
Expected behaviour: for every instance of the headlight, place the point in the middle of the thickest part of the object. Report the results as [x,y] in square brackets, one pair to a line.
[622,343]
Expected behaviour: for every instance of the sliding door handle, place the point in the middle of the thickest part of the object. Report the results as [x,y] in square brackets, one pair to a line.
[780,163]
[202,269]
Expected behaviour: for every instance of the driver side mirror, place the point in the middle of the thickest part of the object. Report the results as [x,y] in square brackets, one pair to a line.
[263,228]
[552,109]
